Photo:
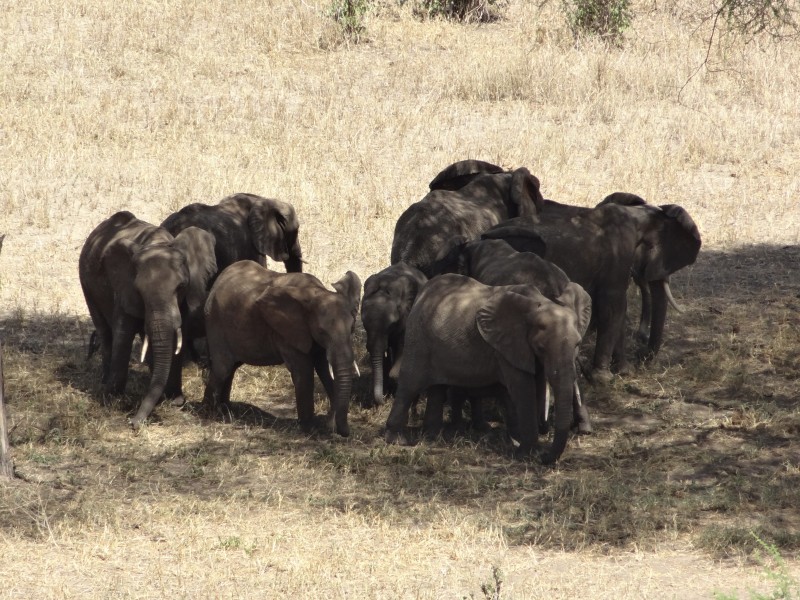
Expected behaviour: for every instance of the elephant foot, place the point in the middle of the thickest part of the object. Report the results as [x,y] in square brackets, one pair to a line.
[544,428]
[178,401]
[582,427]
[602,376]
[343,430]
[136,423]
[397,438]
[378,401]
[624,369]
[306,425]
[526,452]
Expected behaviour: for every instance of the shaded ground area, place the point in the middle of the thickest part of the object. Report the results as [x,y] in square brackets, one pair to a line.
[701,444]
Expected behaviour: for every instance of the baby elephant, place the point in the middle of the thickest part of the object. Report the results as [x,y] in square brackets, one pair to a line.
[260,317]
[463,333]
[388,297]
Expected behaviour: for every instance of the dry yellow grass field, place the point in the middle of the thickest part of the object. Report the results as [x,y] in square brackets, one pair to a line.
[148,106]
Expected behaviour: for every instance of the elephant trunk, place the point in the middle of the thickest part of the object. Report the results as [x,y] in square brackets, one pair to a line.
[376,358]
[163,335]
[563,384]
[659,292]
[343,384]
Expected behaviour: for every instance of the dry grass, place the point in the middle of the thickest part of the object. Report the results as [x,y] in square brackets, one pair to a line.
[150,106]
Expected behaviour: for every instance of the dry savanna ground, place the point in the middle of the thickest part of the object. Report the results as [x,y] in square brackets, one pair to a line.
[149,106]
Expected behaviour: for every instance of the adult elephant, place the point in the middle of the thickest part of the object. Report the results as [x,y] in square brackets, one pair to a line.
[260,317]
[673,243]
[496,262]
[138,278]
[466,334]
[245,227]
[388,297]
[599,248]
[427,229]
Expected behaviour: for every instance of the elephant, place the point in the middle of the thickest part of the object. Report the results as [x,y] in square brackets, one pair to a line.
[599,248]
[261,317]
[463,333]
[427,229]
[676,245]
[138,278]
[246,227]
[388,297]
[495,262]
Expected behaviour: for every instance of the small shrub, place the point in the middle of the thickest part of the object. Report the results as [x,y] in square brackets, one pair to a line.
[607,19]
[350,14]
[459,10]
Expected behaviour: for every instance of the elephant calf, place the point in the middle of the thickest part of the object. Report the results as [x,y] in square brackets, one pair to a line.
[466,334]
[388,297]
[260,317]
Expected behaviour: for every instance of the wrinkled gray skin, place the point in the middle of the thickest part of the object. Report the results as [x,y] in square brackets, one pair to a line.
[674,244]
[466,334]
[388,297]
[246,227]
[137,278]
[495,262]
[260,317]
[600,248]
[427,229]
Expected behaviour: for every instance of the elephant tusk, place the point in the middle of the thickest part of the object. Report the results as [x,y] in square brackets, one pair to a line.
[670,299]
[578,394]
[179,343]
[330,370]
[355,366]
[546,402]
[144,348]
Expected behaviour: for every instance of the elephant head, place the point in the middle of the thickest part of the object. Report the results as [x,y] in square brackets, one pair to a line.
[526,329]
[160,284]
[304,315]
[669,241]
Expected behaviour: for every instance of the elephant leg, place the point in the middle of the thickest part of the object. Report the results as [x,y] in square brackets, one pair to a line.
[540,392]
[174,389]
[456,397]
[121,344]
[643,332]
[434,412]
[519,386]
[104,338]
[658,319]
[218,387]
[301,368]
[407,394]
[477,416]
[610,318]
[581,420]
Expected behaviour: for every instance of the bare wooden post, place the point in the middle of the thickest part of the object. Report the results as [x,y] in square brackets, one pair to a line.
[6,464]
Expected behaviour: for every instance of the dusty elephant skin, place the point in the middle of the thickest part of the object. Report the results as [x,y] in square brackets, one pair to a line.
[466,334]
[623,240]
[260,317]
[137,278]
[445,217]
[495,262]
[388,297]
[246,227]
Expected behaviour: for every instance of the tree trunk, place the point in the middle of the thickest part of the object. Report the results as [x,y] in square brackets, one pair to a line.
[6,464]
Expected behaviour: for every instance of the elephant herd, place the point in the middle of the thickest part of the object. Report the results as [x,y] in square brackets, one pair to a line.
[489,292]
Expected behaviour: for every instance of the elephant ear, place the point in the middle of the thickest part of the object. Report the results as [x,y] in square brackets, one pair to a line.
[349,286]
[525,193]
[452,260]
[577,299]
[502,323]
[197,247]
[120,269]
[461,173]
[623,199]
[673,243]
[283,309]
[268,228]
